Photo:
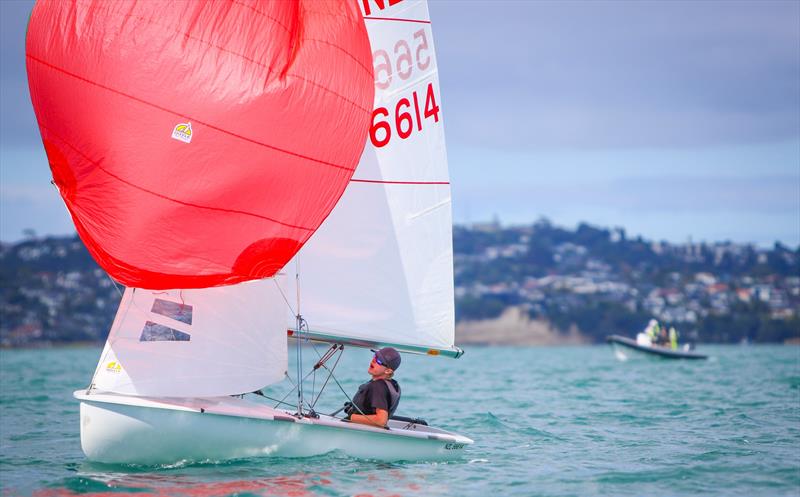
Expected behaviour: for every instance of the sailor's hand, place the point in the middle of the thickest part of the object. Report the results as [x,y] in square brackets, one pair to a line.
[348,408]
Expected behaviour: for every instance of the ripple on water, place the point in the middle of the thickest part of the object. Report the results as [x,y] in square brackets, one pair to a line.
[792,381]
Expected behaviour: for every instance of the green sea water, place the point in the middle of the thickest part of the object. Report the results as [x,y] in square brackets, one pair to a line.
[546,421]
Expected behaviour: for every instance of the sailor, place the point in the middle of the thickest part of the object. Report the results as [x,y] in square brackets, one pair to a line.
[663,339]
[652,331]
[673,338]
[377,399]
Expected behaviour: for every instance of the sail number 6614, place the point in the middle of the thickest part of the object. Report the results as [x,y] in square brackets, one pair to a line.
[407,116]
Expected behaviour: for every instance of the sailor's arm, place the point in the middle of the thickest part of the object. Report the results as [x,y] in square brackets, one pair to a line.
[380,418]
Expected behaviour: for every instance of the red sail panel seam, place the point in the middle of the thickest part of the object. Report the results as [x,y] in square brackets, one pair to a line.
[262,14]
[199,40]
[396,19]
[348,19]
[190,118]
[314,83]
[244,57]
[353,180]
[256,62]
[368,70]
[159,195]
[253,61]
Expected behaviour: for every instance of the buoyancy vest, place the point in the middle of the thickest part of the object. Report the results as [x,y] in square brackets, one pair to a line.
[673,338]
[394,395]
[393,389]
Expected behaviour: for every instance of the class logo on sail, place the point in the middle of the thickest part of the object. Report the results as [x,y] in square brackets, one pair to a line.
[183,132]
[114,367]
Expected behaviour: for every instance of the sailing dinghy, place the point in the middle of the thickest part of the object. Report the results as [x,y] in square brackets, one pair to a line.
[213,159]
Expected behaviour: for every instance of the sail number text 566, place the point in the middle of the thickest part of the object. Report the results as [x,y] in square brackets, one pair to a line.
[407,117]
[400,62]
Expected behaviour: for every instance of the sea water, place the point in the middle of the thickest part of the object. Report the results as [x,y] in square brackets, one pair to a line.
[546,421]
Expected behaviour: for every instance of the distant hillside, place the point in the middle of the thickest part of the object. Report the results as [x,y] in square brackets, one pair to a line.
[601,282]
[52,291]
[570,286]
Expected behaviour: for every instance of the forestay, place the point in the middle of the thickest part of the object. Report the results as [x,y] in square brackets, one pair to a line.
[380,268]
[196,343]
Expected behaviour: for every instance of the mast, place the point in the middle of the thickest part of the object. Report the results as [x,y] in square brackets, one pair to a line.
[299,348]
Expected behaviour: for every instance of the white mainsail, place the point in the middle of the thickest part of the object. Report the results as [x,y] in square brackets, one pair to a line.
[379,271]
[196,343]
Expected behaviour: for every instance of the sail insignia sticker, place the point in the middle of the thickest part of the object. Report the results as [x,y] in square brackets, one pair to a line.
[183,132]
[113,367]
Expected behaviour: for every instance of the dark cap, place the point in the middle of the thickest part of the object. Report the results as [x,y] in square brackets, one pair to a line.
[389,357]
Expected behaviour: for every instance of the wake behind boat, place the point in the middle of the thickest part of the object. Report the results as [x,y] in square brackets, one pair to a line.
[624,347]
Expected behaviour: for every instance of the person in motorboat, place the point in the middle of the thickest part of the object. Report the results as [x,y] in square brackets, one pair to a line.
[663,339]
[673,338]
[652,331]
[377,399]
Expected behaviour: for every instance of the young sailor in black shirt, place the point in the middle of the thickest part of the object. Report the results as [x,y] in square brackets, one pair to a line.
[377,399]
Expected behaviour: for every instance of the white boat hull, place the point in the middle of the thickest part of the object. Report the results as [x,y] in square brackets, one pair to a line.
[137,430]
[625,348]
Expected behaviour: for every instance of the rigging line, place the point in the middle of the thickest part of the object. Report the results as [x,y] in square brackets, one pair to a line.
[294,386]
[314,378]
[116,285]
[284,296]
[322,359]
[290,379]
[345,393]
[330,373]
[273,399]
[313,387]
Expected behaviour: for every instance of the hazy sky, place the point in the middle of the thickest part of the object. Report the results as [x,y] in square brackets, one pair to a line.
[671,119]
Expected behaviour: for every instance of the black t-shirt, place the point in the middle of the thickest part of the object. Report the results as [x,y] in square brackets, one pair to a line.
[373,395]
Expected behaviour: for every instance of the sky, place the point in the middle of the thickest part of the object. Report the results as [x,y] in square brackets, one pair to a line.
[674,120]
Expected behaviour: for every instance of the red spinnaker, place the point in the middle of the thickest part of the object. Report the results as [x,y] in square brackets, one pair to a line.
[199,144]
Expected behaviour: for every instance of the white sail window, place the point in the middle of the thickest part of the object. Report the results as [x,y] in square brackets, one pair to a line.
[154,332]
[173,310]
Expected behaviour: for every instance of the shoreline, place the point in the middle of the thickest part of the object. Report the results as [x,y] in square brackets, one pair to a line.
[515,327]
